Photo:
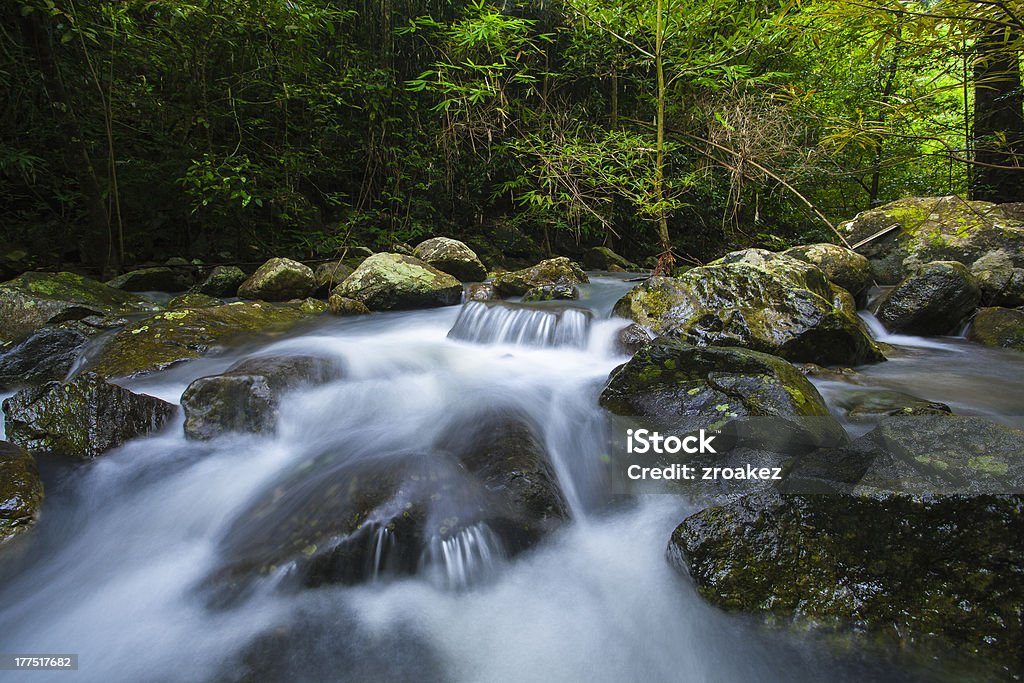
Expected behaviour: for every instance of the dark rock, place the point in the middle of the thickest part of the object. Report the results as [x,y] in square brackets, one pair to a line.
[482,291]
[246,397]
[222,281]
[21,491]
[603,258]
[330,275]
[83,418]
[48,354]
[758,300]
[872,405]
[631,339]
[392,281]
[998,327]
[452,257]
[193,300]
[156,279]
[279,279]
[935,300]
[341,305]
[844,267]
[551,293]
[556,271]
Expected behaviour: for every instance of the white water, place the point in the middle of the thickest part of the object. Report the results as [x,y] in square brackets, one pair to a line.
[113,571]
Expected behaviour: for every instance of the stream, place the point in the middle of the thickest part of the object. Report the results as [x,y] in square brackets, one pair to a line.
[114,569]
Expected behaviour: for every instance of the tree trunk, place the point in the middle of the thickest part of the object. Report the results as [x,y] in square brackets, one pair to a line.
[998,120]
[664,240]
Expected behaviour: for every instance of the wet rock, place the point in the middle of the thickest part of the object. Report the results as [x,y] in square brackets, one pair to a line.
[452,257]
[1001,283]
[934,573]
[935,300]
[392,281]
[33,300]
[836,374]
[556,271]
[551,293]
[844,267]
[603,258]
[631,339]
[999,327]
[193,300]
[935,229]
[246,397]
[48,354]
[84,418]
[872,405]
[21,491]
[341,305]
[757,300]
[279,279]
[156,279]
[164,339]
[310,306]
[329,275]
[222,281]
[482,291]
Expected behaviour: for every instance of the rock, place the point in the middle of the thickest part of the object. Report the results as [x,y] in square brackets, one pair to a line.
[222,281]
[872,405]
[164,339]
[452,257]
[556,271]
[998,327]
[551,293]
[935,300]
[482,291]
[758,300]
[340,305]
[33,300]
[844,267]
[329,275]
[631,339]
[279,279]
[603,258]
[403,249]
[392,281]
[933,573]
[935,229]
[47,354]
[21,491]
[84,417]
[616,269]
[835,374]
[310,306]
[193,300]
[1001,284]
[157,279]
[246,397]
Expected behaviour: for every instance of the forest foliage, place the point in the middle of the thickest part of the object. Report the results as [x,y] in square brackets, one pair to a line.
[140,129]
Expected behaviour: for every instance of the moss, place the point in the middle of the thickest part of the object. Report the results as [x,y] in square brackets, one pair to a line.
[987,463]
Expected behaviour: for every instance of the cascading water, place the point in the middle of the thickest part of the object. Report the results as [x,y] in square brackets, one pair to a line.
[121,566]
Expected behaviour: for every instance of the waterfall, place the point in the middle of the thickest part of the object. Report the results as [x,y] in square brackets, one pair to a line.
[521,324]
[463,559]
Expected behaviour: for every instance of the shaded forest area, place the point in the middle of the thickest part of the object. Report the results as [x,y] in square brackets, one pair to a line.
[136,131]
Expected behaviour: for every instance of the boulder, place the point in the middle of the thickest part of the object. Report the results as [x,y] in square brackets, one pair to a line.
[551,293]
[998,327]
[631,339]
[843,267]
[935,300]
[222,281]
[452,257]
[392,281]
[309,305]
[758,300]
[156,279]
[934,573]
[873,405]
[33,300]
[329,275]
[340,305]
[1001,283]
[246,397]
[48,354]
[935,229]
[482,291]
[603,258]
[168,338]
[556,271]
[193,300]
[21,491]
[85,417]
[279,279]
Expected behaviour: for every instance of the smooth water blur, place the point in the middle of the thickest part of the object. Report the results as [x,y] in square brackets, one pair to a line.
[114,568]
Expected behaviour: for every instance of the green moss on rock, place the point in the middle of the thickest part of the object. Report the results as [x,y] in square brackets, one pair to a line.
[21,491]
[393,281]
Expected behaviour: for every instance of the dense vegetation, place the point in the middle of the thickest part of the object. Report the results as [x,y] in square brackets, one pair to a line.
[143,129]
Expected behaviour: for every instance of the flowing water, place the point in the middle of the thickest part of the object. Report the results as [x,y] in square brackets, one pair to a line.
[115,570]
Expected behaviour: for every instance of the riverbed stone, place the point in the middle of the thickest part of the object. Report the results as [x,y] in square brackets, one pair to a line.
[551,293]
[392,281]
[83,418]
[329,275]
[844,267]
[631,339]
[603,258]
[154,279]
[342,305]
[757,300]
[934,300]
[998,327]
[482,291]
[47,354]
[222,281]
[279,279]
[1001,283]
[21,492]
[556,271]
[452,257]
[193,300]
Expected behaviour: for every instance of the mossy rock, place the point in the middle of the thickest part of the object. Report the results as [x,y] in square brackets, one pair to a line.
[603,258]
[329,275]
[222,281]
[343,306]
[33,300]
[556,271]
[279,279]
[393,281]
[155,279]
[48,354]
[83,418]
[482,291]
[452,257]
[1001,283]
[21,491]
[998,327]
[844,267]
[193,300]
[164,339]
[551,293]
[934,574]
[860,405]
[757,300]
[934,300]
